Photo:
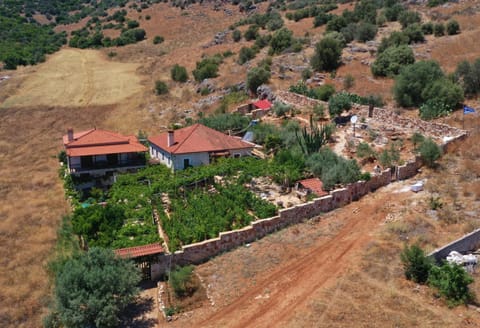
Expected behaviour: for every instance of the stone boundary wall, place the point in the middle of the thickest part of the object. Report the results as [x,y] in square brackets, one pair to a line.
[436,130]
[297,100]
[465,244]
[202,251]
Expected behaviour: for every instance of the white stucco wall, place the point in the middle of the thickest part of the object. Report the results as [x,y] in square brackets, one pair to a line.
[161,155]
[241,152]
[195,159]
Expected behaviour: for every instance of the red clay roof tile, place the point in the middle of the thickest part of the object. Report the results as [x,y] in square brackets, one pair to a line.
[137,251]
[101,142]
[263,104]
[315,185]
[198,138]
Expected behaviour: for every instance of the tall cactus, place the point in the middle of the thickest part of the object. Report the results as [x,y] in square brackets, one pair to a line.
[312,141]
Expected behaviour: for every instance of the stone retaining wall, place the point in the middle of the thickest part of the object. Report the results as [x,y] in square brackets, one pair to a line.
[466,244]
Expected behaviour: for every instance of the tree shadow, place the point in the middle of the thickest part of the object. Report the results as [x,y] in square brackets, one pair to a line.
[138,314]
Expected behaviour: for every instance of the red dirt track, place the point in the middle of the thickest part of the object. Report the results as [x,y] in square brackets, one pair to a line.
[291,286]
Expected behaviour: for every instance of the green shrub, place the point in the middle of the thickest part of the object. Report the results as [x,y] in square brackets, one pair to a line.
[327,55]
[427,28]
[417,139]
[389,62]
[323,92]
[251,33]
[225,122]
[336,23]
[365,32]
[393,12]
[179,73]
[413,80]
[365,151]
[433,108]
[161,87]
[430,152]
[158,39]
[468,75]
[394,40]
[306,74]
[452,27]
[414,33]
[443,91]
[438,29]
[281,40]
[256,77]
[181,280]
[130,36]
[333,169]
[322,19]
[337,36]
[92,289]
[452,282]
[132,24]
[280,109]
[236,35]
[206,68]
[416,264]
[409,17]
[262,41]
[245,55]
[434,3]
[338,103]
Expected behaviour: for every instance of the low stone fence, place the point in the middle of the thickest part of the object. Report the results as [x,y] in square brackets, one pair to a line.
[467,243]
[202,251]
[297,100]
[443,132]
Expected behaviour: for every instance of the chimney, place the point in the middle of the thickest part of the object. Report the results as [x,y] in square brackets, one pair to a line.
[70,134]
[170,139]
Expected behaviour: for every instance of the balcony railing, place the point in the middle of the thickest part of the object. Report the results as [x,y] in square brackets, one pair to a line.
[106,165]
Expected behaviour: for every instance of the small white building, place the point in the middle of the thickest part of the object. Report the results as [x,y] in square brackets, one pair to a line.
[195,145]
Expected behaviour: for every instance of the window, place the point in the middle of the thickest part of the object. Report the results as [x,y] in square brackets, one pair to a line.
[237,155]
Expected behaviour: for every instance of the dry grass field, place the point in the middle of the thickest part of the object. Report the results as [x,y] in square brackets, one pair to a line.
[76,78]
[361,282]
[31,203]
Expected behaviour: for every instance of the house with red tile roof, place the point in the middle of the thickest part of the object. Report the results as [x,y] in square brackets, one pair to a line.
[99,152]
[313,185]
[195,145]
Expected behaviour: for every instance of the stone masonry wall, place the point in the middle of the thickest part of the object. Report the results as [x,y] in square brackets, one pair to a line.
[467,243]
[202,251]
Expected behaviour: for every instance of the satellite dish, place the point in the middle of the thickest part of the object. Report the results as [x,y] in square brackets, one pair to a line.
[354,119]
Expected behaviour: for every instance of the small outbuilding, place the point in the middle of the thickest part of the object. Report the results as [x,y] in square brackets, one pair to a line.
[309,186]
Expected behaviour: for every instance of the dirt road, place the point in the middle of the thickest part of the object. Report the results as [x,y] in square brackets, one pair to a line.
[279,296]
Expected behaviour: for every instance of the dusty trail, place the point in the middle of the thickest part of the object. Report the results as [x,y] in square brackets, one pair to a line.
[274,301]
